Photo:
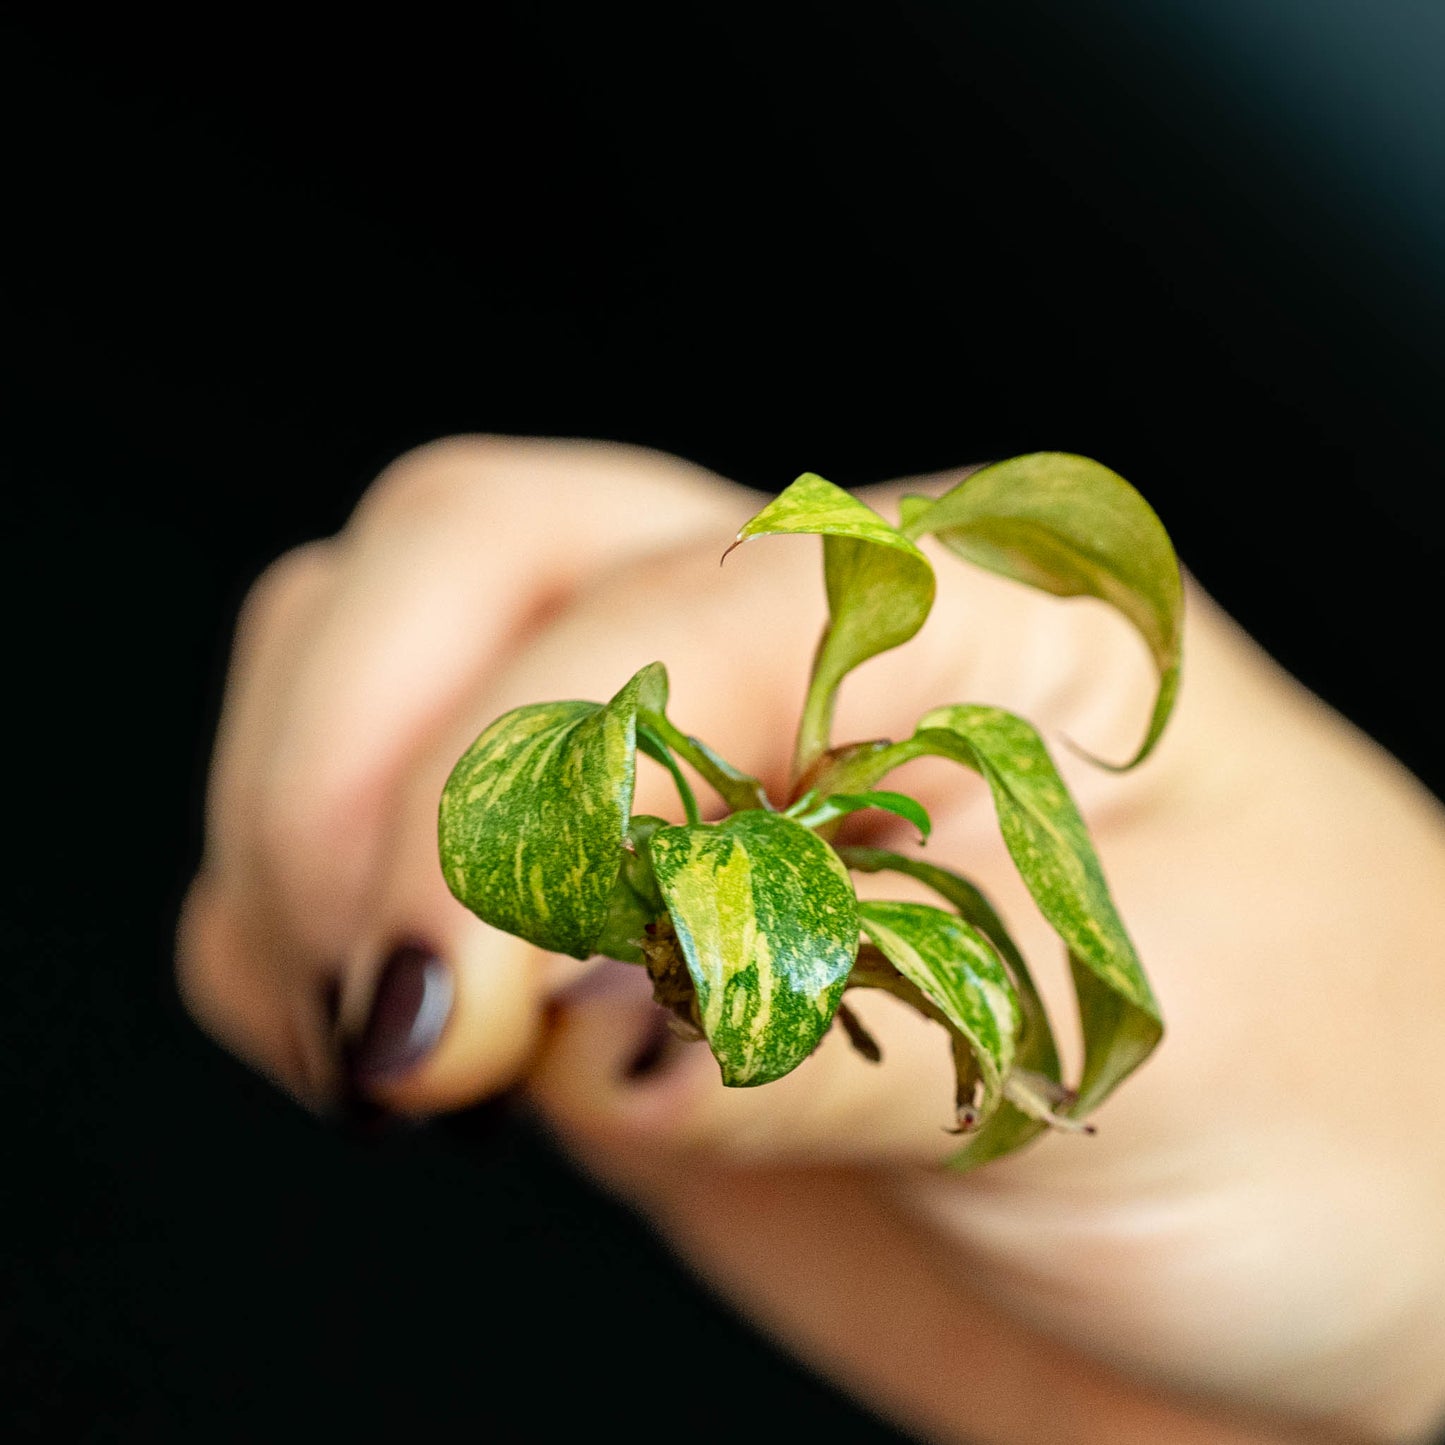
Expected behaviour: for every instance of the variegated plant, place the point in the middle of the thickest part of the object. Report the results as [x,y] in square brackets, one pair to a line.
[749,927]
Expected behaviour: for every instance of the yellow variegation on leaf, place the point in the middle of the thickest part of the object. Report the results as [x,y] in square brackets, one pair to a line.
[1050,847]
[1035,1051]
[533,817]
[767,923]
[958,971]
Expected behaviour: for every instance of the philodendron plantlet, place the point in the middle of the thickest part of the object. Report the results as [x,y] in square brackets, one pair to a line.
[749,927]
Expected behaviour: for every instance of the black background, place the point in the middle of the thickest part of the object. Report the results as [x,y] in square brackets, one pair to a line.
[250,262]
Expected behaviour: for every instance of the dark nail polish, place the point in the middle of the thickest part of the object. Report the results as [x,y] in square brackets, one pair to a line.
[410,1009]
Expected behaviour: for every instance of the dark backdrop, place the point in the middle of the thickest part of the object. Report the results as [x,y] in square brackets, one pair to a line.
[251,261]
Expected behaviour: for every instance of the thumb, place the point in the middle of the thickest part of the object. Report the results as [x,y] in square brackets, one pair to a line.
[741,644]
[352,658]
[421,955]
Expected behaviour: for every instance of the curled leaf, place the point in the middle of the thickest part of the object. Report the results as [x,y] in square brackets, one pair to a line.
[1072,527]
[767,923]
[1012,1125]
[533,816]
[957,970]
[1052,851]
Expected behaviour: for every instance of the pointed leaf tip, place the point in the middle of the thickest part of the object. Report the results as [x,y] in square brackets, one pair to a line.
[1008,1128]
[880,589]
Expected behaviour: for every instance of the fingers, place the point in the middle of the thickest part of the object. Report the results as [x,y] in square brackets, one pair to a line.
[613,1078]
[352,657]
[245,982]
[457,554]
[670,610]
[321,929]
[247,992]
[737,642]
[477,576]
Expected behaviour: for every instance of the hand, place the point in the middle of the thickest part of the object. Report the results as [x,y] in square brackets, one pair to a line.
[1253,1246]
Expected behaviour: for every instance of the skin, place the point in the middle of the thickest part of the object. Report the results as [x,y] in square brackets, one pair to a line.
[1251,1249]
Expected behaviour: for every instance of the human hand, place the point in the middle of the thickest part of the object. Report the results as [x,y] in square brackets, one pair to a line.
[1252,1243]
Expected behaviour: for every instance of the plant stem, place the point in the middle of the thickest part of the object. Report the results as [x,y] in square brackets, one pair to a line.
[815,726]
[661,753]
[735,787]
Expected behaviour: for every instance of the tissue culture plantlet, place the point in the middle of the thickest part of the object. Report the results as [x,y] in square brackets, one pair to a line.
[749,927]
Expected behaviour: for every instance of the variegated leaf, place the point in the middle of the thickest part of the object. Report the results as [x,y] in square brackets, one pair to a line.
[956,968]
[767,923]
[635,901]
[1036,1048]
[1051,848]
[1009,1127]
[1070,526]
[533,816]
[880,588]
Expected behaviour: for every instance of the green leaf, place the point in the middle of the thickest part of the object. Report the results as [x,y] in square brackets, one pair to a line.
[910,509]
[1009,1127]
[533,816]
[1070,526]
[1051,849]
[812,811]
[1036,1049]
[767,922]
[880,588]
[635,901]
[956,968]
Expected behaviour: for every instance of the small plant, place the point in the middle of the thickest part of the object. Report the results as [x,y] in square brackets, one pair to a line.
[749,927]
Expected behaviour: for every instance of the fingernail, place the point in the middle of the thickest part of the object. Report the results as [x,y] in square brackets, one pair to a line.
[410,1009]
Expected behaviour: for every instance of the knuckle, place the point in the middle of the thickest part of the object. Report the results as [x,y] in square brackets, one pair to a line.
[428,479]
[270,612]
[270,595]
